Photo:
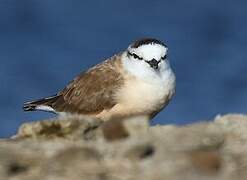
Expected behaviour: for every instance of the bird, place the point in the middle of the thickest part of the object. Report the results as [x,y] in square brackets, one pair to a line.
[138,81]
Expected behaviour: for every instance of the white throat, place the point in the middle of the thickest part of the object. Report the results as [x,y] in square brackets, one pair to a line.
[140,69]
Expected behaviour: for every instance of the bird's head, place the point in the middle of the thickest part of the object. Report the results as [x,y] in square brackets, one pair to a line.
[149,52]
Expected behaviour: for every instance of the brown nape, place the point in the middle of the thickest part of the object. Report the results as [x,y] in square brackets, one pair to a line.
[144,41]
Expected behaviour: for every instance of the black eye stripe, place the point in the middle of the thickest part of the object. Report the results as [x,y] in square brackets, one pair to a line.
[135,56]
[140,58]
[164,57]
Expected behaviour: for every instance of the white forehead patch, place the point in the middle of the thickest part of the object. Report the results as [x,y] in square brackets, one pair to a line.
[150,51]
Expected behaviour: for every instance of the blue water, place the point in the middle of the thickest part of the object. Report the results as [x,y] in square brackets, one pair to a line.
[44,44]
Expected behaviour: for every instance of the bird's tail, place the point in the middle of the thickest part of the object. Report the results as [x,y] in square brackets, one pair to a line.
[44,104]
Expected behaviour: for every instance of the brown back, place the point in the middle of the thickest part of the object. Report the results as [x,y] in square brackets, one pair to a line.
[93,91]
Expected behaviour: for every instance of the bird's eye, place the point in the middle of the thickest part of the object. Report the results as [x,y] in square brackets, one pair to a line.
[164,57]
[136,56]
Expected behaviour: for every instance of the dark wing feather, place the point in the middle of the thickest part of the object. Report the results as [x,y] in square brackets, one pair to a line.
[93,91]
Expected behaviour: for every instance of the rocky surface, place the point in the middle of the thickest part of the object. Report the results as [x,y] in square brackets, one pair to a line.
[78,148]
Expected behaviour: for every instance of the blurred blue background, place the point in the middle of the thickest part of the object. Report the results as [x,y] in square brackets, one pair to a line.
[44,44]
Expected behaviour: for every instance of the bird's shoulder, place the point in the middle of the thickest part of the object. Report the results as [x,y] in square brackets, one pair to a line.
[94,90]
[105,74]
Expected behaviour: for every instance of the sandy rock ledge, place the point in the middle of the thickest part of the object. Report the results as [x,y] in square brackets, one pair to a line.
[78,148]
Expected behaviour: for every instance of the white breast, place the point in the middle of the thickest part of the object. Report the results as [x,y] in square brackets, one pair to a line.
[146,90]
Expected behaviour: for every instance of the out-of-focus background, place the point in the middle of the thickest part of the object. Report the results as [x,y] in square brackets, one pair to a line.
[44,44]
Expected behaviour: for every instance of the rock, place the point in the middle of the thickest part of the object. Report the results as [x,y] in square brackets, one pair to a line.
[76,148]
[71,128]
[114,130]
[140,152]
[206,161]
